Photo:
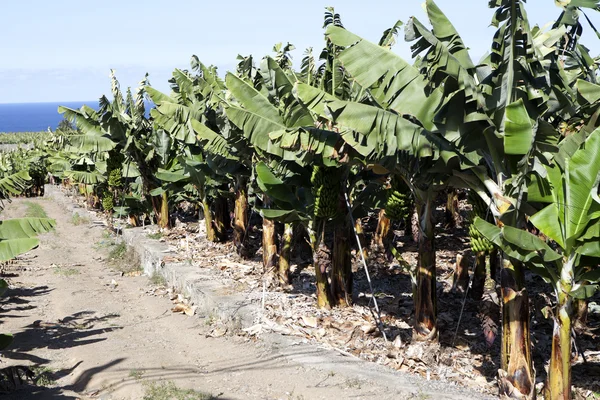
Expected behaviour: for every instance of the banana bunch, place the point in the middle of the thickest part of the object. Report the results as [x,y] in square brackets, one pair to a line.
[326,186]
[479,209]
[478,242]
[399,203]
[107,201]
[114,178]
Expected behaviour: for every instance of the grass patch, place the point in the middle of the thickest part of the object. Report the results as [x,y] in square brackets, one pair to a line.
[64,271]
[169,391]
[124,259]
[158,280]
[43,376]
[136,374]
[34,210]
[118,251]
[155,235]
[77,219]
[107,240]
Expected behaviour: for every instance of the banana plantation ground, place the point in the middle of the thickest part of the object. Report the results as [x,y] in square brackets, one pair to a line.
[91,327]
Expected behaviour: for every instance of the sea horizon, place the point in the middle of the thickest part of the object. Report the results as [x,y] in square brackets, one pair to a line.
[35,116]
[2,103]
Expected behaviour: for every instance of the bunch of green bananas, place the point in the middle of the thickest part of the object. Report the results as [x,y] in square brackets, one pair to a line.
[478,242]
[399,203]
[326,186]
[114,178]
[107,201]
[478,209]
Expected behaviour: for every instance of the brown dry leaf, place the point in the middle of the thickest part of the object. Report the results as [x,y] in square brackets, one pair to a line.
[368,328]
[184,309]
[134,273]
[397,343]
[311,322]
[218,331]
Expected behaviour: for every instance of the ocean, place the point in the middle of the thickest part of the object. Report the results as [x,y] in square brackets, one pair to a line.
[35,117]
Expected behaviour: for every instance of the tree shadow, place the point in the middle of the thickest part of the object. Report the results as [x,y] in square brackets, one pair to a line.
[20,292]
[71,331]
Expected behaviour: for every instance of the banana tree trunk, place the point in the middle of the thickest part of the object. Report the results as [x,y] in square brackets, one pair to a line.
[461,274]
[494,264]
[269,243]
[415,230]
[382,231]
[425,291]
[240,217]
[341,277]
[164,211]
[516,377]
[559,371]
[361,237]
[211,234]
[283,273]
[452,216]
[478,276]
[580,314]
[321,259]
[160,205]
[221,218]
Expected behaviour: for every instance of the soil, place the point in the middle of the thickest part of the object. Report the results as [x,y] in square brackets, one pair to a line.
[101,340]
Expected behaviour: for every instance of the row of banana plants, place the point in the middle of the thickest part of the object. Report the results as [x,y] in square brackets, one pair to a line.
[358,129]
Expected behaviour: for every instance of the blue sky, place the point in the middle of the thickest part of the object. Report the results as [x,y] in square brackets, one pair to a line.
[63,50]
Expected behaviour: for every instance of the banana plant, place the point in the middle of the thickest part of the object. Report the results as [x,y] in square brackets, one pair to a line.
[390,125]
[503,114]
[193,116]
[280,129]
[571,261]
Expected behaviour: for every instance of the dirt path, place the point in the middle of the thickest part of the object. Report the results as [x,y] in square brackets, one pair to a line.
[105,342]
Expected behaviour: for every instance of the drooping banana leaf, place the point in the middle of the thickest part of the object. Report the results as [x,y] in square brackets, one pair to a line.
[19,228]
[394,83]
[14,184]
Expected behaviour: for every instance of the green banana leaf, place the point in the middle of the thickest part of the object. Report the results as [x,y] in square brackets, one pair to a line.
[20,228]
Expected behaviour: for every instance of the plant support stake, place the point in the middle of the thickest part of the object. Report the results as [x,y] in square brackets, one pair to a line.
[362,257]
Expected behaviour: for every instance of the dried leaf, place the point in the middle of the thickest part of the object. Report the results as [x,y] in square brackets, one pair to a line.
[218,331]
[311,322]
[184,309]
